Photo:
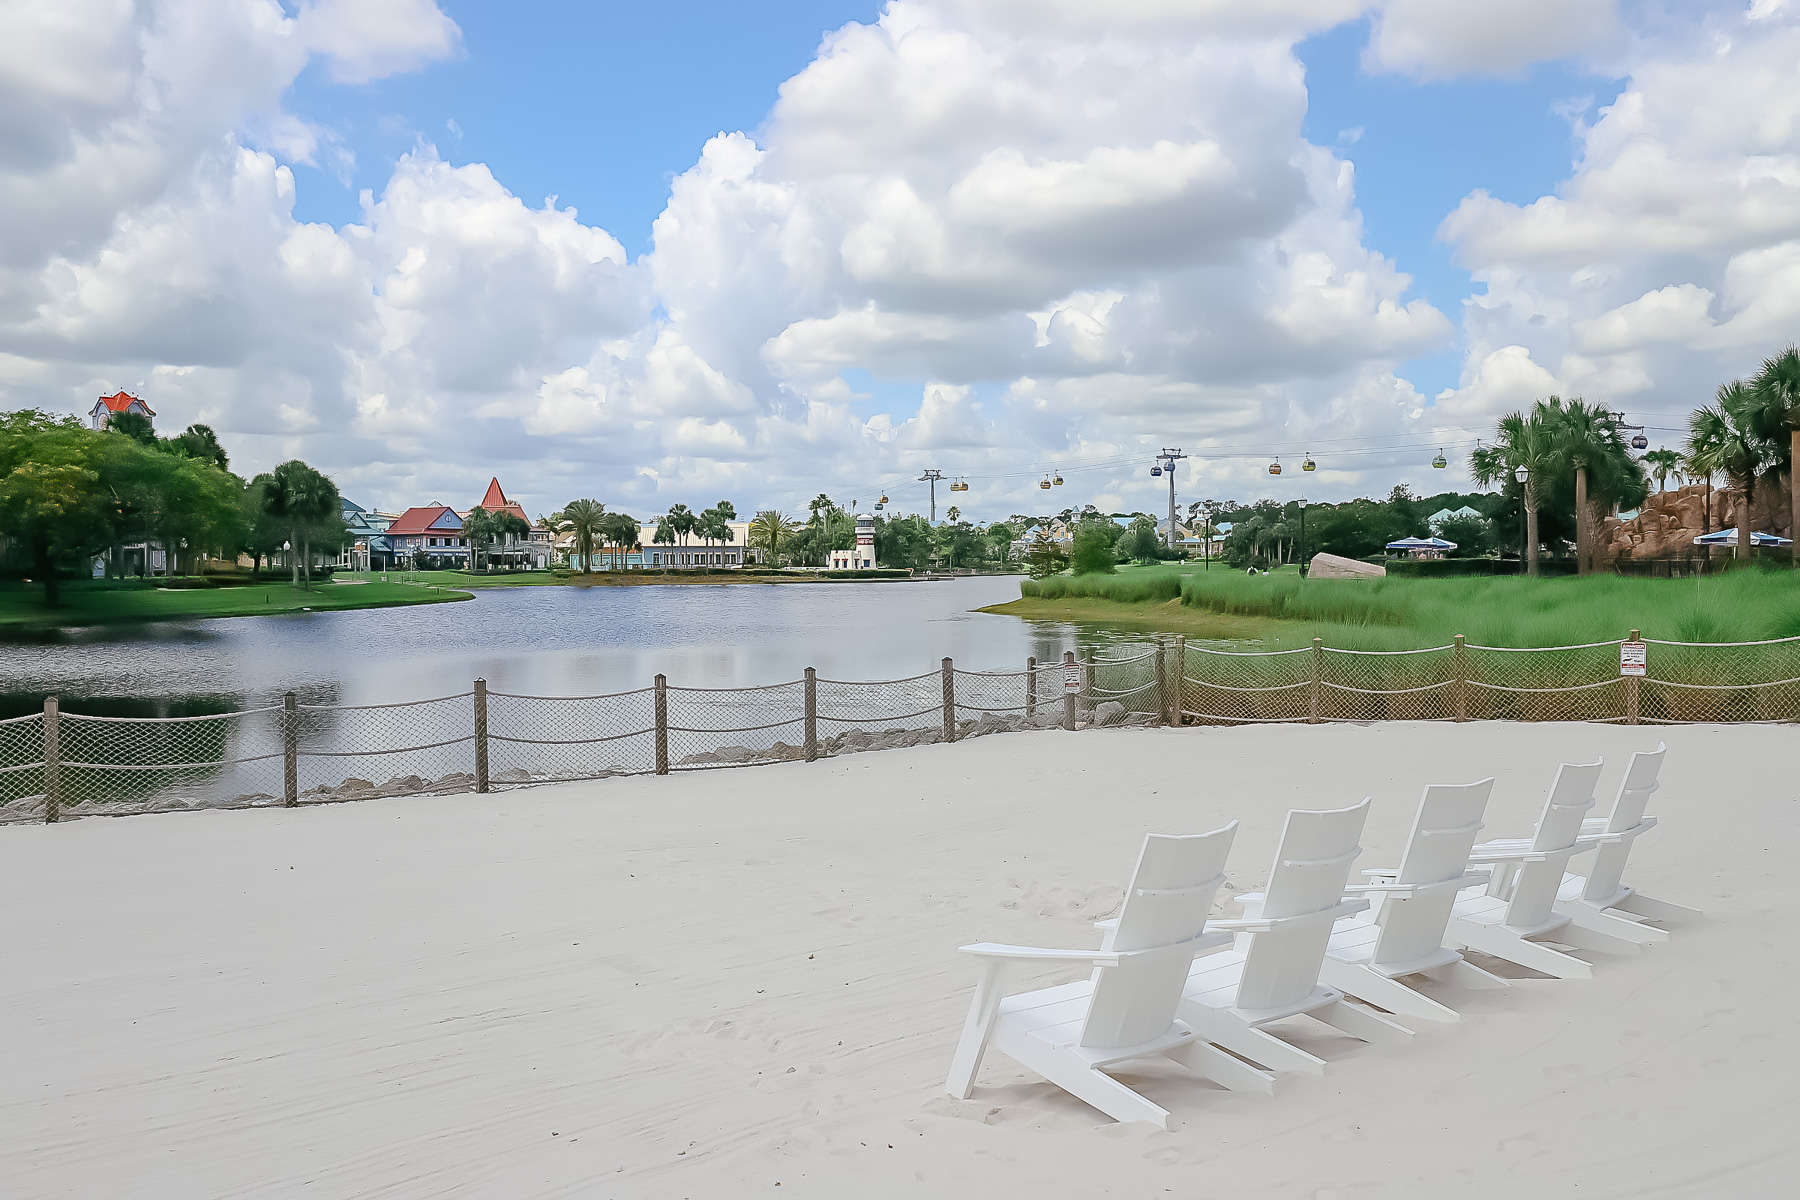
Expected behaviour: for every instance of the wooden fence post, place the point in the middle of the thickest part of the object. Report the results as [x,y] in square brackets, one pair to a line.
[1316,704]
[1031,688]
[1180,680]
[290,750]
[1633,693]
[662,724]
[1461,686]
[949,701]
[812,715]
[481,736]
[1162,682]
[52,761]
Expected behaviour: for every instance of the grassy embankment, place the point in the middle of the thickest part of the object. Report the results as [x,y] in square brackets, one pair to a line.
[101,603]
[1284,610]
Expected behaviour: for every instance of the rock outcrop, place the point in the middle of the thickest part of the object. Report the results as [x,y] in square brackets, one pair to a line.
[1670,521]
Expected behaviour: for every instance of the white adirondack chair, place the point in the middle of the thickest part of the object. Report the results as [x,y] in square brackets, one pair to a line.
[1272,971]
[1599,901]
[1403,934]
[1071,1033]
[1507,926]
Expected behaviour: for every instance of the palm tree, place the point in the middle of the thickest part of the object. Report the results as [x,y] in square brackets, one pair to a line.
[953,513]
[300,499]
[820,503]
[1726,436]
[1522,440]
[682,521]
[1777,389]
[583,517]
[1662,462]
[1590,443]
[768,529]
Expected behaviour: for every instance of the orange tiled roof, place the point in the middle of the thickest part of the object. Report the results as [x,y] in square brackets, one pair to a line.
[121,401]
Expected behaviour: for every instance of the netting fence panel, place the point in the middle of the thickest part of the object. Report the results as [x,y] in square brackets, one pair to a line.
[731,727]
[1392,685]
[1232,687]
[349,751]
[882,714]
[534,739]
[121,765]
[1130,680]
[1557,683]
[22,768]
[1749,682]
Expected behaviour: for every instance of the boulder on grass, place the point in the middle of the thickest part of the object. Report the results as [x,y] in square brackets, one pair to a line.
[1333,566]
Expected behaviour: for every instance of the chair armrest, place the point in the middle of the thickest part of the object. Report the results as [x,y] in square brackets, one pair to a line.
[1098,958]
[1494,854]
[1107,923]
[1324,916]
[1381,872]
[1409,890]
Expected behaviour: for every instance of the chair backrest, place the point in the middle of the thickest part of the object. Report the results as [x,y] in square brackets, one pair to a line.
[1443,833]
[1312,864]
[1571,795]
[1166,906]
[1636,788]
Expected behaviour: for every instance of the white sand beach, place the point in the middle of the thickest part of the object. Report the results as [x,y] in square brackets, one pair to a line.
[746,982]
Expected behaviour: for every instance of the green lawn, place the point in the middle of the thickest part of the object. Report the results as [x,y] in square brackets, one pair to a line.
[1406,612]
[86,603]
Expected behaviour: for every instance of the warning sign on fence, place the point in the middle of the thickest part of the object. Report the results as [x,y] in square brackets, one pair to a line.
[1634,658]
[1072,679]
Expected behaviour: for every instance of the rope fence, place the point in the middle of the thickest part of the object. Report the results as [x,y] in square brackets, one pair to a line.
[56,764]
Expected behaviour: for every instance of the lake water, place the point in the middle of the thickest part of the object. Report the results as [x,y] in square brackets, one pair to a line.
[538,640]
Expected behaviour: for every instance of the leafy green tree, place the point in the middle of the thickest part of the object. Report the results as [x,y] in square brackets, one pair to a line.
[53,500]
[769,532]
[307,506]
[1473,536]
[199,441]
[1523,439]
[1727,436]
[133,425]
[958,543]
[665,533]
[1044,558]
[1000,536]
[904,542]
[1140,541]
[584,519]
[1590,445]
[263,530]
[1777,388]
[1091,551]
[1661,463]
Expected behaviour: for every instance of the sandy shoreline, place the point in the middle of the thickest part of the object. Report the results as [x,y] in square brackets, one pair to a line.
[710,984]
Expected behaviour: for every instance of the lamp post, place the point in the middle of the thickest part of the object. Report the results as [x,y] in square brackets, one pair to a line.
[1522,474]
[1303,537]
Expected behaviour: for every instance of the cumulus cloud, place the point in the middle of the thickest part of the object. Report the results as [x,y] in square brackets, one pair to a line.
[1666,261]
[1049,231]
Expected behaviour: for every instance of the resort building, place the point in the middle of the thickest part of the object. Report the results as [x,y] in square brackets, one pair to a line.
[107,407]
[428,535]
[533,550]
[697,555]
[367,548]
[861,557]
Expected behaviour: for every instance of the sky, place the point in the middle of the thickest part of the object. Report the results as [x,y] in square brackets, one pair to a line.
[682,252]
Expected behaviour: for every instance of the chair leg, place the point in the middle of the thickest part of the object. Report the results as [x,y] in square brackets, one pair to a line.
[1255,1045]
[1659,910]
[1374,988]
[1103,1092]
[1224,1069]
[1585,936]
[1600,921]
[1466,974]
[1362,1023]
[1523,951]
[977,1029]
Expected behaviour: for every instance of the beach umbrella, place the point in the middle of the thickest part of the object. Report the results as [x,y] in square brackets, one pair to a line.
[1728,537]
